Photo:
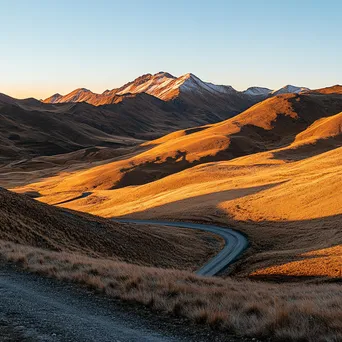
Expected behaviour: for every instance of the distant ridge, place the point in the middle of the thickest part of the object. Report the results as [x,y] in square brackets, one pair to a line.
[336,89]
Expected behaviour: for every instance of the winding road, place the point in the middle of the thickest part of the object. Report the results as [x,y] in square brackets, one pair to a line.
[235,244]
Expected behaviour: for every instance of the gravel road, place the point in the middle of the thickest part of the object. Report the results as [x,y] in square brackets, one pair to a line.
[34,308]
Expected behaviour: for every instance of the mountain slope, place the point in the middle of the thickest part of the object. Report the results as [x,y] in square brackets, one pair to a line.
[55,98]
[24,103]
[29,132]
[166,86]
[321,129]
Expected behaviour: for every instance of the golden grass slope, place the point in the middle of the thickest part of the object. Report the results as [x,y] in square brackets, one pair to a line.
[321,129]
[286,208]
[320,263]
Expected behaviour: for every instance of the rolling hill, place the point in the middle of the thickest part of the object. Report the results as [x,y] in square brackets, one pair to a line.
[289,209]
[251,172]
[28,132]
[336,89]
[268,125]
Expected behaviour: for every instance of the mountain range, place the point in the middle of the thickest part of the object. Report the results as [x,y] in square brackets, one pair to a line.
[168,87]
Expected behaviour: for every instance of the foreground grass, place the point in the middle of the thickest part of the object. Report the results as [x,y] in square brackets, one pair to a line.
[285,312]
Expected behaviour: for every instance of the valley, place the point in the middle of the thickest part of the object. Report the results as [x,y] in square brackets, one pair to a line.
[133,191]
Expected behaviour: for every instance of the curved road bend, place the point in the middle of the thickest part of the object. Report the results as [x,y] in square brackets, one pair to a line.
[235,243]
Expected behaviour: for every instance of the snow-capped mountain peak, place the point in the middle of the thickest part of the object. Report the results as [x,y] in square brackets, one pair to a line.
[289,89]
[190,82]
[55,98]
[255,91]
[164,74]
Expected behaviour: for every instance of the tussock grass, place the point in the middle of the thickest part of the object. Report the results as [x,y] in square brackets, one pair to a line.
[286,312]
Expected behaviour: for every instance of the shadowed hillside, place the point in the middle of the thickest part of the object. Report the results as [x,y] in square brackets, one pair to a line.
[30,223]
[187,93]
[30,128]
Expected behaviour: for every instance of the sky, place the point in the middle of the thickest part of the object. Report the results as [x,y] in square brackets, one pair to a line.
[57,46]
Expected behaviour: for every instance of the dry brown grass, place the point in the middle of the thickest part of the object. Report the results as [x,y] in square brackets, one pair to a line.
[320,129]
[283,312]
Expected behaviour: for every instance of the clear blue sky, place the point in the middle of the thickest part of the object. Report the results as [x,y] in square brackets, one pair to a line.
[57,46]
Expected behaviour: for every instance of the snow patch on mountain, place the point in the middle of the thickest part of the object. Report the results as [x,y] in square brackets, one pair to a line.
[150,84]
[289,89]
[190,82]
[256,91]
[55,98]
